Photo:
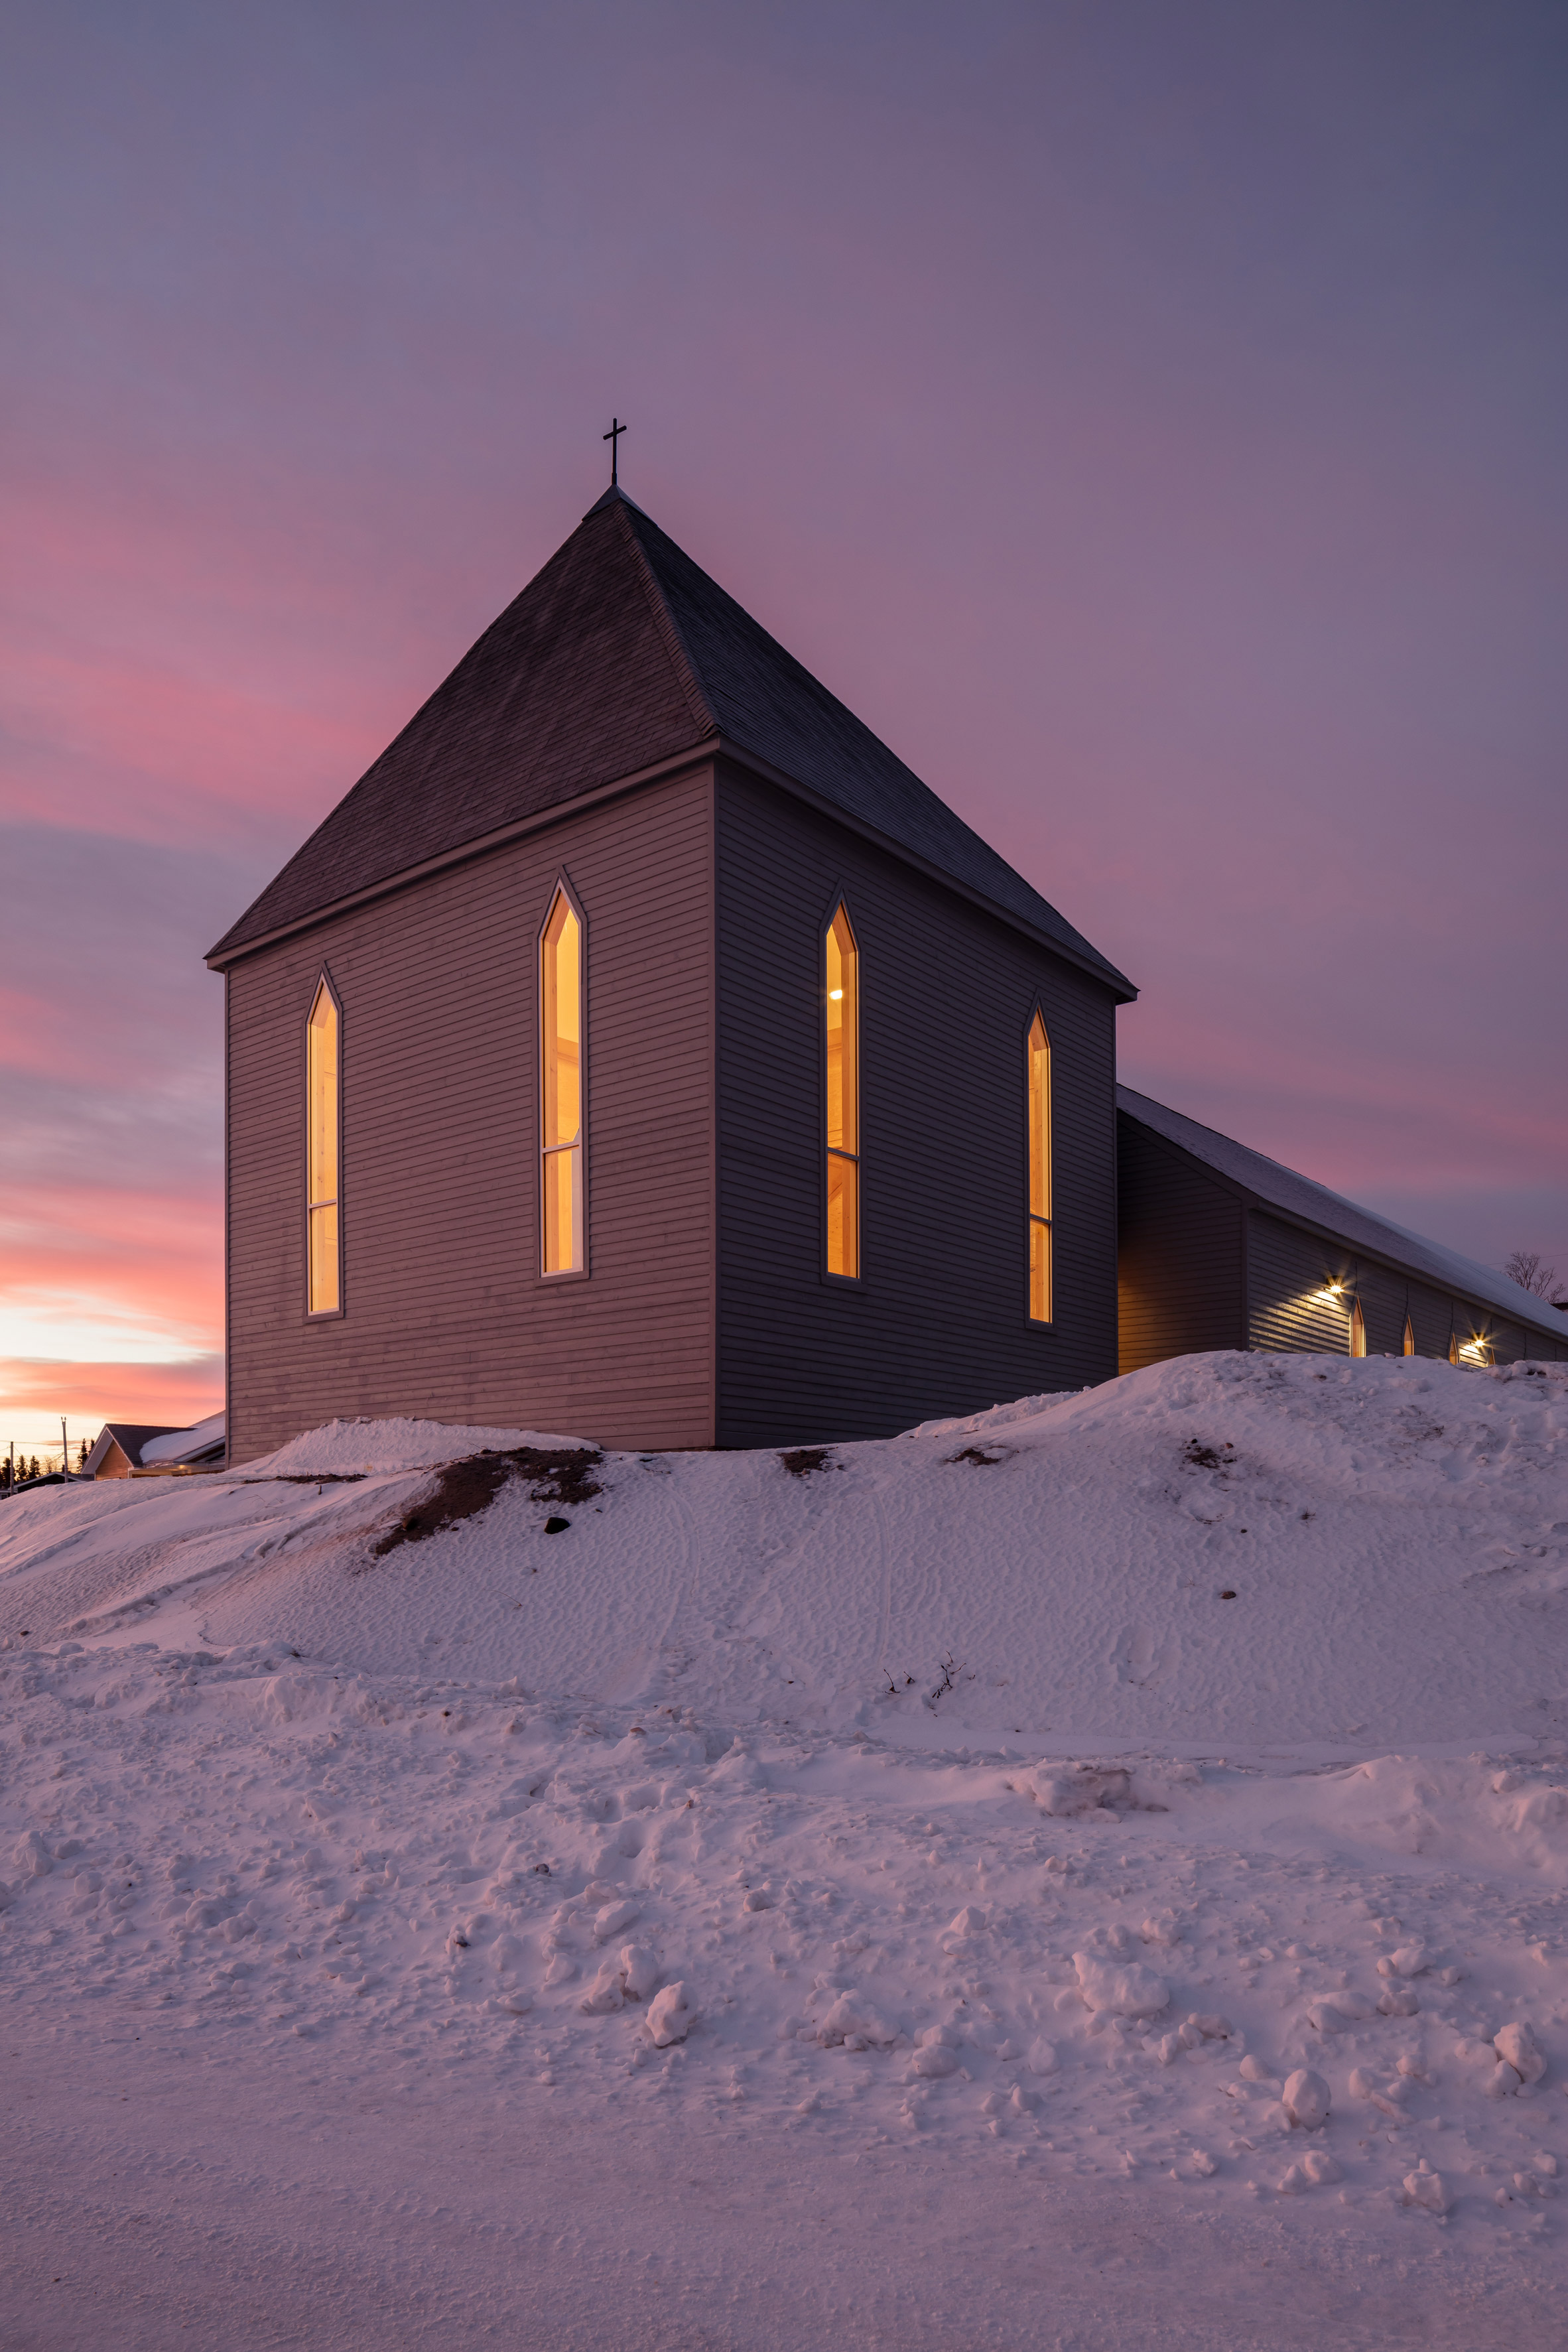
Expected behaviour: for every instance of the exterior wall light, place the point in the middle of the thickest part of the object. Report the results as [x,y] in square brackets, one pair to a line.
[1331,1291]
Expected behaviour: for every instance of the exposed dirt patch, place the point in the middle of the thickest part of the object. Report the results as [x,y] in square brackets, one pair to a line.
[309,1478]
[802,1460]
[555,1475]
[1209,1457]
[986,1457]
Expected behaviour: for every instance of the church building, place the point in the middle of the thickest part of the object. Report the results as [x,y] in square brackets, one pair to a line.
[641,1051]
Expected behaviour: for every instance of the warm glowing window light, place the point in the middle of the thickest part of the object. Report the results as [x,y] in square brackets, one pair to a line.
[843,1099]
[1358,1329]
[321,1152]
[561,1004]
[1474,1351]
[1039,1061]
[1409,1336]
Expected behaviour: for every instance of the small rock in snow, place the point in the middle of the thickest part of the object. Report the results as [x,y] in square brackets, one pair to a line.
[1305,2099]
[1517,2044]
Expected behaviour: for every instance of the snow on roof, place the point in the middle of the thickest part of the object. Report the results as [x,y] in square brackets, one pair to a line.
[129,1435]
[1298,1196]
[183,1444]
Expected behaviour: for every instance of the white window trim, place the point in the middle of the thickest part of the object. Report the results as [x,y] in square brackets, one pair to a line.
[562,888]
[324,1314]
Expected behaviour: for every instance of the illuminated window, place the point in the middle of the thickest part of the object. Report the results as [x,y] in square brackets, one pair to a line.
[843,1098]
[1409,1336]
[1039,1059]
[1453,1347]
[322,1113]
[560,1017]
[1358,1329]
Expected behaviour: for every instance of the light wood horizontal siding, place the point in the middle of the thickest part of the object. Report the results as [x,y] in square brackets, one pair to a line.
[446,1314]
[940,1322]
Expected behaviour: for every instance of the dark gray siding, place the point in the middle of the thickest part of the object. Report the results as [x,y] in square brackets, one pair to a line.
[1179,1254]
[446,1317]
[1285,1268]
[940,1322]
[1431,1316]
[1383,1296]
[1192,1235]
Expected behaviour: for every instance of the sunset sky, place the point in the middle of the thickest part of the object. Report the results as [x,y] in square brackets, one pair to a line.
[1149,417]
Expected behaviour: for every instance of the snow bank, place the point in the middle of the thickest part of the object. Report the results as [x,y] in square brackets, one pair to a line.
[1164,1788]
[351,1448]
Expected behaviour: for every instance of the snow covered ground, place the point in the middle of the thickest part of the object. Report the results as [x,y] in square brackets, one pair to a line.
[923,1895]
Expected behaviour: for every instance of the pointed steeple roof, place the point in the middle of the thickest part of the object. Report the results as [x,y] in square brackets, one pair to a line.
[620,656]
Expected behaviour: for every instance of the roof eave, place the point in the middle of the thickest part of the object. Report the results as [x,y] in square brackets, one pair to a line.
[230,951]
[1122,988]
[1240,1189]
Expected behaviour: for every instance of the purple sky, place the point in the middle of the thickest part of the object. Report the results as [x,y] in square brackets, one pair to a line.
[1148,417]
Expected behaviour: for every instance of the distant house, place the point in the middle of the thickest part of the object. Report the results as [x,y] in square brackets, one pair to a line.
[641,1049]
[123,1448]
[1220,1247]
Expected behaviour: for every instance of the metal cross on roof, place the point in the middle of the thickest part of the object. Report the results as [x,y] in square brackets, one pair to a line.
[614,437]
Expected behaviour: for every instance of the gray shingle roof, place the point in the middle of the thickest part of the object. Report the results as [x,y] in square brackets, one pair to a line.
[619,655]
[1278,1187]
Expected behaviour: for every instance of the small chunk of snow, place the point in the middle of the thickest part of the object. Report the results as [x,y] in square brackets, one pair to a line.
[670,2017]
[1305,2099]
[1517,2045]
[1122,1988]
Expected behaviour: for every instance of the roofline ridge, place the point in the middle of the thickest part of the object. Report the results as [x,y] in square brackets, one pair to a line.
[1085,956]
[1530,1316]
[664,620]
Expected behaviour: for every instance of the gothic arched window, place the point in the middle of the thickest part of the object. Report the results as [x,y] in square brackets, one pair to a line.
[1039,1083]
[1358,1329]
[843,1013]
[1409,1336]
[561,1088]
[323,1113]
